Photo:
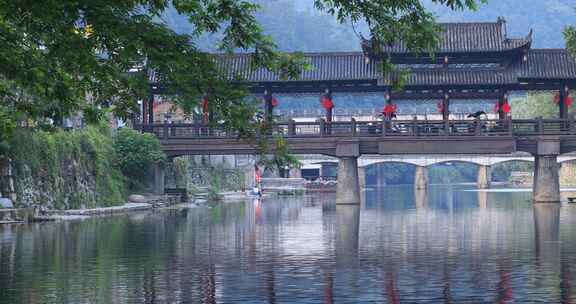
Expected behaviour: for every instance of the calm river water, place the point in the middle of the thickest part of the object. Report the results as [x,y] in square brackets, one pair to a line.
[448,245]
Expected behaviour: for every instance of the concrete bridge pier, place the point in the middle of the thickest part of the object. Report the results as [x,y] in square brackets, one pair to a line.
[348,187]
[159,181]
[546,187]
[421,178]
[484,177]
[362,177]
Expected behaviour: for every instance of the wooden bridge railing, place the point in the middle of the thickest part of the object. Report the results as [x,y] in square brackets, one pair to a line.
[395,128]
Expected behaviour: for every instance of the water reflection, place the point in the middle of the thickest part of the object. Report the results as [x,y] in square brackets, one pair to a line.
[446,244]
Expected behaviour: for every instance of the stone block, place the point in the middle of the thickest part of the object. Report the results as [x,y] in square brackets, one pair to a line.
[137,198]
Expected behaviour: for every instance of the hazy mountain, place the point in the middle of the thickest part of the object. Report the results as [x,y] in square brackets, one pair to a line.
[296,25]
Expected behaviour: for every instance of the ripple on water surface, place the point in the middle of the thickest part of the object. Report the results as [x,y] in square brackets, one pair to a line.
[400,246]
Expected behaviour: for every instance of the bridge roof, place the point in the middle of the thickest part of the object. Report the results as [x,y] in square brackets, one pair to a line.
[471,57]
[470,37]
[540,65]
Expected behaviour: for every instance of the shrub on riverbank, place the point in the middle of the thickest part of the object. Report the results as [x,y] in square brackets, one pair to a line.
[66,169]
[136,154]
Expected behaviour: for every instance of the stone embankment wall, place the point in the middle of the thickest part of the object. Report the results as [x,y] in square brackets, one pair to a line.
[62,170]
[224,173]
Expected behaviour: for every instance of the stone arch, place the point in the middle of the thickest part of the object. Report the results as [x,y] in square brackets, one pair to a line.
[566,159]
[377,174]
[391,161]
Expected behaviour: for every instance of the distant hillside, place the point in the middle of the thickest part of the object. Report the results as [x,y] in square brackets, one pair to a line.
[295,25]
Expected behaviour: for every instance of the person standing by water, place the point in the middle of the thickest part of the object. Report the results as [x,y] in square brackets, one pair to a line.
[258,181]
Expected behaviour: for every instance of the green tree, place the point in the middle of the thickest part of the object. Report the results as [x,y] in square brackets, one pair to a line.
[136,153]
[535,104]
[56,53]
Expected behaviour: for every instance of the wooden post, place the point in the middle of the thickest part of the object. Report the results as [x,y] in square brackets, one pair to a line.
[291,128]
[501,114]
[322,127]
[446,108]
[353,126]
[151,109]
[477,126]
[329,113]
[385,126]
[510,127]
[268,108]
[563,109]
[166,130]
[539,125]
[446,113]
[414,126]
[144,112]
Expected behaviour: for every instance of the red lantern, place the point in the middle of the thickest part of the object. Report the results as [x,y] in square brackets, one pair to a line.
[567,100]
[205,109]
[440,107]
[389,109]
[505,107]
[274,102]
[326,102]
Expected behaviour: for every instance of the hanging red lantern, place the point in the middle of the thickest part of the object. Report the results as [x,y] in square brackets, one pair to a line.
[327,102]
[440,107]
[205,108]
[505,107]
[389,109]
[567,100]
[274,102]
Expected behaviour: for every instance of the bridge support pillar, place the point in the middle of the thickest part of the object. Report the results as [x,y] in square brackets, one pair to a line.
[348,188]
[159,175]
[484,176]
[421,178]
[546,180]
[362,177]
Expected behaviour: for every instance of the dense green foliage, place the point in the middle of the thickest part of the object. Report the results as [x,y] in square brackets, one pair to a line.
[136,154]
[536,104]
[66,170]
[56,53]
[277,157]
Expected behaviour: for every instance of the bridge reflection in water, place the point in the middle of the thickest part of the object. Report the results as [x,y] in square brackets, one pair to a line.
[391,248]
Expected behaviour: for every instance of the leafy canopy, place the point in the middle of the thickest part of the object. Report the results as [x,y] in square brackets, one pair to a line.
[136,153]
[57,54]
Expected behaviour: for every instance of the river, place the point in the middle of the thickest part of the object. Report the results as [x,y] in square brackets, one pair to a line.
[444,245]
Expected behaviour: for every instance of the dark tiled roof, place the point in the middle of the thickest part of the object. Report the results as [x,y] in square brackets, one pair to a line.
[540,64]
[471,37]
[547,64]
[327,66]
